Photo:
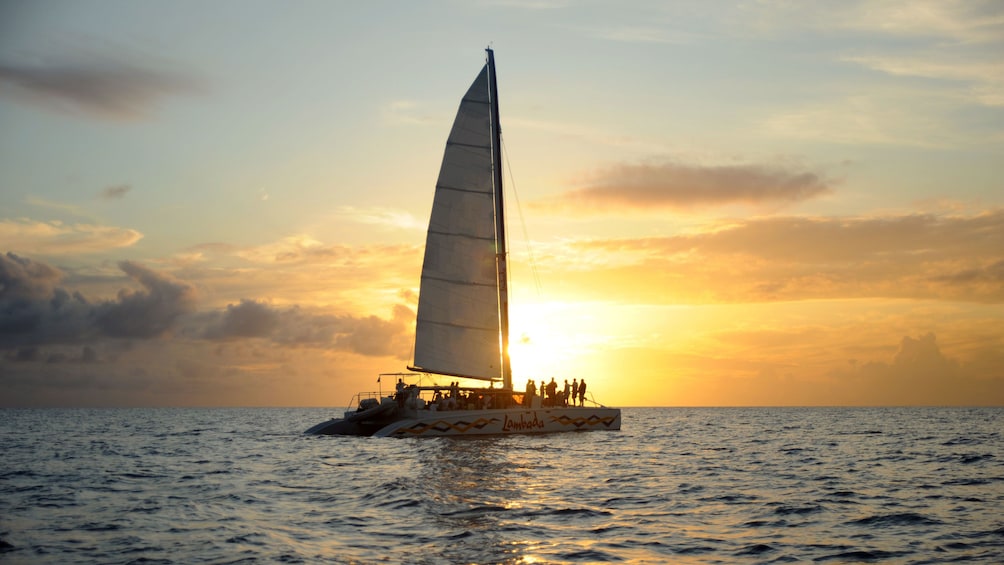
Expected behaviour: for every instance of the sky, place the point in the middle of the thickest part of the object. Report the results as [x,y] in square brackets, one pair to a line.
[710,203]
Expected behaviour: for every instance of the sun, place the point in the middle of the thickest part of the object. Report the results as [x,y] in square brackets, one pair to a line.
[538,347]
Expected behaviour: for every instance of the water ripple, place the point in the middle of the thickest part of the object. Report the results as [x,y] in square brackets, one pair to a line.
[763,485]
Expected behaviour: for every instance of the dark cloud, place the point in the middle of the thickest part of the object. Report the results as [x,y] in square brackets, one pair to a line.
[36,312]
[296,326]
[33,309]
[376,336]
[28,354]
[102,89]
[115,192]
[247,319]
[22,279]
[993,274]
[149,345]
[149,312]
[676,185]
[57,354]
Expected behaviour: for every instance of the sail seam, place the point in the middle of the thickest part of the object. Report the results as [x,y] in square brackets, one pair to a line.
[466,236]
[454,281]
[456,189]
[471,145]
[449,325]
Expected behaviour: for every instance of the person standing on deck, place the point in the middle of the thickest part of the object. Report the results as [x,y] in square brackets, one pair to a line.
[582,393]
[575,391]
[564,396]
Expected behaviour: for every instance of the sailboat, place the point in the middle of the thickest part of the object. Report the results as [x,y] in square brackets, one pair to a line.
[462,323]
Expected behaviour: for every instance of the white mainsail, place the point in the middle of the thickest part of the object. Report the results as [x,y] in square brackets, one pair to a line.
[457,327]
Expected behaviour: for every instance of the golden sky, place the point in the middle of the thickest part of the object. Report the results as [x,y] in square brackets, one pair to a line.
[710,204]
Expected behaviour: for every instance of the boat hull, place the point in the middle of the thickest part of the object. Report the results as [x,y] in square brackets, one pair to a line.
[480,422]
[500,422]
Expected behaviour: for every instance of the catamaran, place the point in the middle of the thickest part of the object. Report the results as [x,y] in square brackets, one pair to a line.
[462,323]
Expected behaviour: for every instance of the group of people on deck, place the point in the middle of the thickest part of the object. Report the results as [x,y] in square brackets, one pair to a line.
[551,396]
[453,398]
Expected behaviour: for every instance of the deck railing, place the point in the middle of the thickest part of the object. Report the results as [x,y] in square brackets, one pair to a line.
[471,398]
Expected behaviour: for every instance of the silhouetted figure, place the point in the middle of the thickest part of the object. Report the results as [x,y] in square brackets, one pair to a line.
[552,393]
[564,395]
[531,391]
[399,393]
[582,393]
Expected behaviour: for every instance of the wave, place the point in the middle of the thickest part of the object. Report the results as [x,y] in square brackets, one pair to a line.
[897,519]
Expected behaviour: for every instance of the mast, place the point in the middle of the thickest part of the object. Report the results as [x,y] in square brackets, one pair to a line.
[500,242]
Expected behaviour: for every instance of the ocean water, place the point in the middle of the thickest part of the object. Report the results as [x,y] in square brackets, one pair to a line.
[675,485]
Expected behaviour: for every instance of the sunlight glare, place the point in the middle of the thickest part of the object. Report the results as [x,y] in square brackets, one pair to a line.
[545,340]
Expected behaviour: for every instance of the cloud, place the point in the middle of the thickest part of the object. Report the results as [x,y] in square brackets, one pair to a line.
[380,217]
[34,311]
[952,46]
[925,256]
[407,112]
[297,326]
[676,185]
[56,238]
[992,274]
[22,279]
[151,344]
[827,239]
[646,34]
[304,249]
[976,21]
[985,77]
[102,89]
[856,119]
[39,319]
[115,192]
[53,205]
[301,269]
[247,319]
[530,4]
[53,355]
[920,373]
[149,312]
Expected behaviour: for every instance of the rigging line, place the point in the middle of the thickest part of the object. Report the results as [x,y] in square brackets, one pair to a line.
[522,220]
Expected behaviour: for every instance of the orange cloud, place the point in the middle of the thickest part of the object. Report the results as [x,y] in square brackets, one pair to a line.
[301,270]
[56,238]
[677,185]
[791,258]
